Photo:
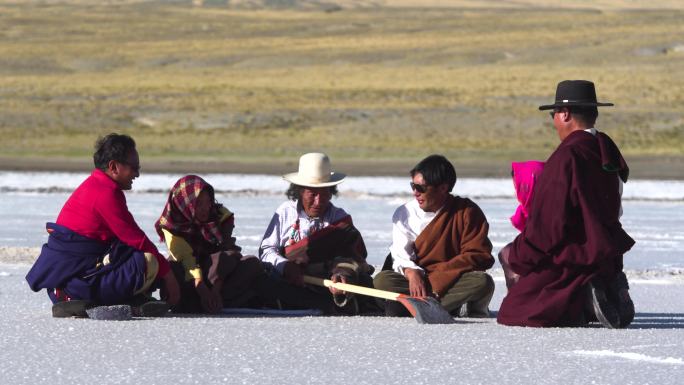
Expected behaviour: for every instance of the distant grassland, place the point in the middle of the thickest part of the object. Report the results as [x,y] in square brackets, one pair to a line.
[211,83]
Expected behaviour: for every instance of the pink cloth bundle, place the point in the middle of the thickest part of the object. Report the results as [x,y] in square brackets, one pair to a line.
[525,175]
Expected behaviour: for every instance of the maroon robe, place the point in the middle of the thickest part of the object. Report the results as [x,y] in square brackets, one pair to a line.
[573,233]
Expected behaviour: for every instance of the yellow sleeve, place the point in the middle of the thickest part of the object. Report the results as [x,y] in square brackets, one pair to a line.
[180,251]
[224,213]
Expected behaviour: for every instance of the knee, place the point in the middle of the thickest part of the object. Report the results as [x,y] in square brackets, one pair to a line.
[252,267]
[482,281]
[490,283]
[151,266]
[383,280]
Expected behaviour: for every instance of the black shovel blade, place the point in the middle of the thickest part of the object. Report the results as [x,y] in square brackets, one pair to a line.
[426,310]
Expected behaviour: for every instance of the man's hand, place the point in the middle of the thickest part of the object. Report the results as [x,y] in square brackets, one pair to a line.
[211,302]
[172,289]
[337,278]
[416,282]
[293,274]
[298,258]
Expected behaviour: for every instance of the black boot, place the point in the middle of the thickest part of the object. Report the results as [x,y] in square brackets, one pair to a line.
[73,308]
[604,310]
[618,293]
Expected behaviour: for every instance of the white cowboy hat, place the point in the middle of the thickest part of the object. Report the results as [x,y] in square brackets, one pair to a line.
[314,171]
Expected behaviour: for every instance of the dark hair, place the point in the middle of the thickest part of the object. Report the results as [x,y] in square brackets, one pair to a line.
[436,170]
[112,147]
[587,115]
[295,190]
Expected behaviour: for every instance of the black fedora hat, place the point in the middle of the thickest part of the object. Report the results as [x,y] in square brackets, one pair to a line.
[575,93]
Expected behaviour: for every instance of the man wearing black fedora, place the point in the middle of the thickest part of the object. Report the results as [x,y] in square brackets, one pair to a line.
[569,256]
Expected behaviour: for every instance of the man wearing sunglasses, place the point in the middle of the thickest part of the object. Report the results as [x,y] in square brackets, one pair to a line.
[569,256]
[440,246]
[96,254]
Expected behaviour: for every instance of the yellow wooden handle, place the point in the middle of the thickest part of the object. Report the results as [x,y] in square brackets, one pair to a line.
[352,288]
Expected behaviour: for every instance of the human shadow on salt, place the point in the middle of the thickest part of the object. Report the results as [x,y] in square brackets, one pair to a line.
[252,313]
[275,313]
[658,321]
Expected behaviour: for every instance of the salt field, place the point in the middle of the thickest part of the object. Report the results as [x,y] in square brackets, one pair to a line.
[38,349]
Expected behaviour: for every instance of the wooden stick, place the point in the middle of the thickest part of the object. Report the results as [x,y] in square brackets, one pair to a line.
[353,288]
[426,310]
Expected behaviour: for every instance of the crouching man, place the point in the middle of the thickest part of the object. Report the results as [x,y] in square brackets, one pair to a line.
[96,254]
[439,246]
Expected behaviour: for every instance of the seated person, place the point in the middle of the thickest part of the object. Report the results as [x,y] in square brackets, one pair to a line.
[439,246]
[570,254]
[96,254]
[524,174]
[212,272]
[309,235]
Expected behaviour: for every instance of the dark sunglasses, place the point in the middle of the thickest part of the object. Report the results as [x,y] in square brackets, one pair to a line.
[421,188]
[554,112]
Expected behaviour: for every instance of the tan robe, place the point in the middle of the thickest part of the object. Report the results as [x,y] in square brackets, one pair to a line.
[455,242]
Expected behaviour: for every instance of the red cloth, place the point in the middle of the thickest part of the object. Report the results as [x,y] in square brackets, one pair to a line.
[97,209]
[525,175]
[339,239]
[573,234]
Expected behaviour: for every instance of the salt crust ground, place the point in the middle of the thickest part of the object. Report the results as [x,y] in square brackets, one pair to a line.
[37,349]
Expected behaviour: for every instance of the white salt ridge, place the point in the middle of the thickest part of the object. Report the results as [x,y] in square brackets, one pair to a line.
[630,356]
[362,187]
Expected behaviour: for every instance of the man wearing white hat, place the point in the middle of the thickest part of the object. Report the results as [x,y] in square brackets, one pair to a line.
[309,235]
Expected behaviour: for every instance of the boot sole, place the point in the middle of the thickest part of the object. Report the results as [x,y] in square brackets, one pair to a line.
[152,309]
[606,313]
[68,309]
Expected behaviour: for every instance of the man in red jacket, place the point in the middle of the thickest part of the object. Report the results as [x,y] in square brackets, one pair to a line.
[569,256]
[96,253]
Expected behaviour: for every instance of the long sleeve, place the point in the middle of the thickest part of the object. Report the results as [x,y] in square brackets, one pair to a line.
[475,247]
[269,250]
[403,253]
[112,208]
[181,251]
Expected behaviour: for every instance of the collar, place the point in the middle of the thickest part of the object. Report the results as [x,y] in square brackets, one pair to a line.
[592,131]
[103,178]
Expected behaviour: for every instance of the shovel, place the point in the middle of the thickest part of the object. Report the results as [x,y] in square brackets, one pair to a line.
[426,310]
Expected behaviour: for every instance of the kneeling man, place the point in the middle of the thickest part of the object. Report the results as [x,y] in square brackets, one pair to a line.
[96,254]
[439,246]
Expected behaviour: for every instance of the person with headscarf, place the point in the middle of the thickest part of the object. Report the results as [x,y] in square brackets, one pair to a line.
[204,257]
[525,175]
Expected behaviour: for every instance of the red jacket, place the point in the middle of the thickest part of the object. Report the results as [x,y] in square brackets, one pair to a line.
[97,209]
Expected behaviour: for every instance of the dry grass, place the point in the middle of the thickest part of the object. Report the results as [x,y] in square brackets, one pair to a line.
[389,83]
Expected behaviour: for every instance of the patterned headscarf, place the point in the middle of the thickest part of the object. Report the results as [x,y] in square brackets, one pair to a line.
[178,216]
[525,175]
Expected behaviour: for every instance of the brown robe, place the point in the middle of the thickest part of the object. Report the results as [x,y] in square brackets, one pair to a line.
[455,242]
[573,234]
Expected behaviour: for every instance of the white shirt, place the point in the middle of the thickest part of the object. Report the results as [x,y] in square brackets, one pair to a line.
[280,231]
[408,222]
